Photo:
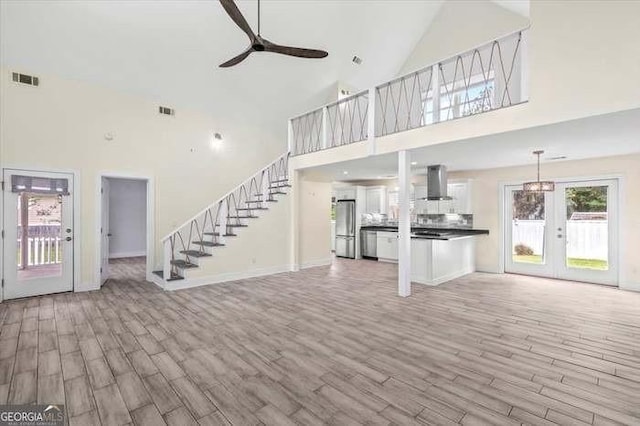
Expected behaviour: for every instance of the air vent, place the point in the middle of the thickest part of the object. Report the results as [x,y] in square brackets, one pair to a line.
[26,79]
[166,111]
[357,60]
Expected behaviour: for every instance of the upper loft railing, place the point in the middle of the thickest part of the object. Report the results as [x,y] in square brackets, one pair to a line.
[339,123]
[483,79]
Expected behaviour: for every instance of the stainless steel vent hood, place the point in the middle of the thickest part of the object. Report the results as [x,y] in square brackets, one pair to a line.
[437,183]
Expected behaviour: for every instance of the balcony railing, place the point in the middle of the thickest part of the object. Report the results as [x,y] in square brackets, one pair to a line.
[339,123]
[483,79]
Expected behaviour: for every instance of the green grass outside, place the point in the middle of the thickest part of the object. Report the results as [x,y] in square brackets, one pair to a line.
[572,262]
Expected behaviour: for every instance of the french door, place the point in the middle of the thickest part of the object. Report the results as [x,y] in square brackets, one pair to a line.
[38,219]
[570,233]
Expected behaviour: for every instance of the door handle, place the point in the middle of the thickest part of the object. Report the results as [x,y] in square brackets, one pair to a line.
[68,239]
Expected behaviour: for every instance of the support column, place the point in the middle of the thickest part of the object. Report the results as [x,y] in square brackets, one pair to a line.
[371,122]
[294,222]
[290,148]
[404,224]
[325,129]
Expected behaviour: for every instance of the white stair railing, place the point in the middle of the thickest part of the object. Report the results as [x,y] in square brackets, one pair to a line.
[208,229]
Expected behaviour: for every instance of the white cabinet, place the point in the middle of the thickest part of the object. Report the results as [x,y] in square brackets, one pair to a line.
[376,200]
[387,246]
[460,192]
[421,205]
[346,194]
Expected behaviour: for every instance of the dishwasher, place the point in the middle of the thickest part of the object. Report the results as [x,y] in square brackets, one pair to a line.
[369,244]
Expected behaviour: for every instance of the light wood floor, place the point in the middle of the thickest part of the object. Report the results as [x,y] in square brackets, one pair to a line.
[329,346]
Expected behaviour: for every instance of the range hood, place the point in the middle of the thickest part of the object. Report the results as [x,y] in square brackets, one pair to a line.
[437,183]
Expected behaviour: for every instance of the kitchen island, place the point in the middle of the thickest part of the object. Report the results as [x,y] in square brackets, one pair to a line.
[437,254]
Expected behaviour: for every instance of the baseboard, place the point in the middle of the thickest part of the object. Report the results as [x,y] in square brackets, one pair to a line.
[629,286]
[153,278]
[86,287]
[314,263]
[222,278]
[127,254]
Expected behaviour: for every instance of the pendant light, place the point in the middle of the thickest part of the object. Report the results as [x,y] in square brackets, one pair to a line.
[538,185]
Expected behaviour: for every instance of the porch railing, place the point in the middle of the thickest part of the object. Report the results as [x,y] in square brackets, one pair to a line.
[43,245]
[482,79]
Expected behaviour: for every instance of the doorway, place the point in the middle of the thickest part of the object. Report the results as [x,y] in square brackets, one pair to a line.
[124,228]
[570,233]
[38,226]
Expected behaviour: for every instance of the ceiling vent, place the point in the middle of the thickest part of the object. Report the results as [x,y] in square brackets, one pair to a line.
[26,79]
[166,111]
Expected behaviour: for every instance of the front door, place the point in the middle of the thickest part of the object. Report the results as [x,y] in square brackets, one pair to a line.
[38,243]
[570,233]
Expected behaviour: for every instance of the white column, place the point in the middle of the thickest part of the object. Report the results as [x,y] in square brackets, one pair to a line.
[404,224]
[166,261]
[371,122]
[524,68]
[435,84]
[290,146]
[294,228]
[325,129]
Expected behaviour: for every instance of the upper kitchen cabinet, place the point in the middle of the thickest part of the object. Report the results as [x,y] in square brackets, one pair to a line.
[376,199]
[459,191]
[348,193]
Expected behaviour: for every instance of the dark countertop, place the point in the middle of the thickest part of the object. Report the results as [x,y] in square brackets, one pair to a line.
[454,232]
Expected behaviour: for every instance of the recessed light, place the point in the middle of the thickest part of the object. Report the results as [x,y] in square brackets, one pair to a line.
[357,60]
[413,163]
[345,172]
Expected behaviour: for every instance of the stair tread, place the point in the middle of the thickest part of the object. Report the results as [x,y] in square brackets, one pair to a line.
[217,234]
[195,253]
[280,180]
[181,263]
[236,225]
[174,276]
[243,217]
[280,186]
[208,243]
[252,208]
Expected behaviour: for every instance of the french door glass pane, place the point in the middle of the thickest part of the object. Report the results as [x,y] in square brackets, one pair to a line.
[39,242]
[587,227]
[527,228]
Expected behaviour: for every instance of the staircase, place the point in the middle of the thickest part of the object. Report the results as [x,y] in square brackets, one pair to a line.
[208,231]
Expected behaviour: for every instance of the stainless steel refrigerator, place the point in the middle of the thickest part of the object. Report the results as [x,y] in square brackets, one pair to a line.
[346,228]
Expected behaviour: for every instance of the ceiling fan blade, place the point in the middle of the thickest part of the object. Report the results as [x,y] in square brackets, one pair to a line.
[236,60]
[236,16]
[294,51]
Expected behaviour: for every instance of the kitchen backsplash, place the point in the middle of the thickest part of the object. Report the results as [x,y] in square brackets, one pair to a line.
[445,220]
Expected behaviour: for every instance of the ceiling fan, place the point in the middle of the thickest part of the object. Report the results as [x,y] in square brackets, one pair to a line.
[260,44]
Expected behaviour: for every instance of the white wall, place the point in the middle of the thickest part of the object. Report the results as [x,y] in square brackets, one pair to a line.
[487,208]
[127,217]
[582,61]
[314,222]
[461,25]
[61,125]
[260,249]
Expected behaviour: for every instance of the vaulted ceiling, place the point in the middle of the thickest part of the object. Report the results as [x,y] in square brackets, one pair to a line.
[170,50]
